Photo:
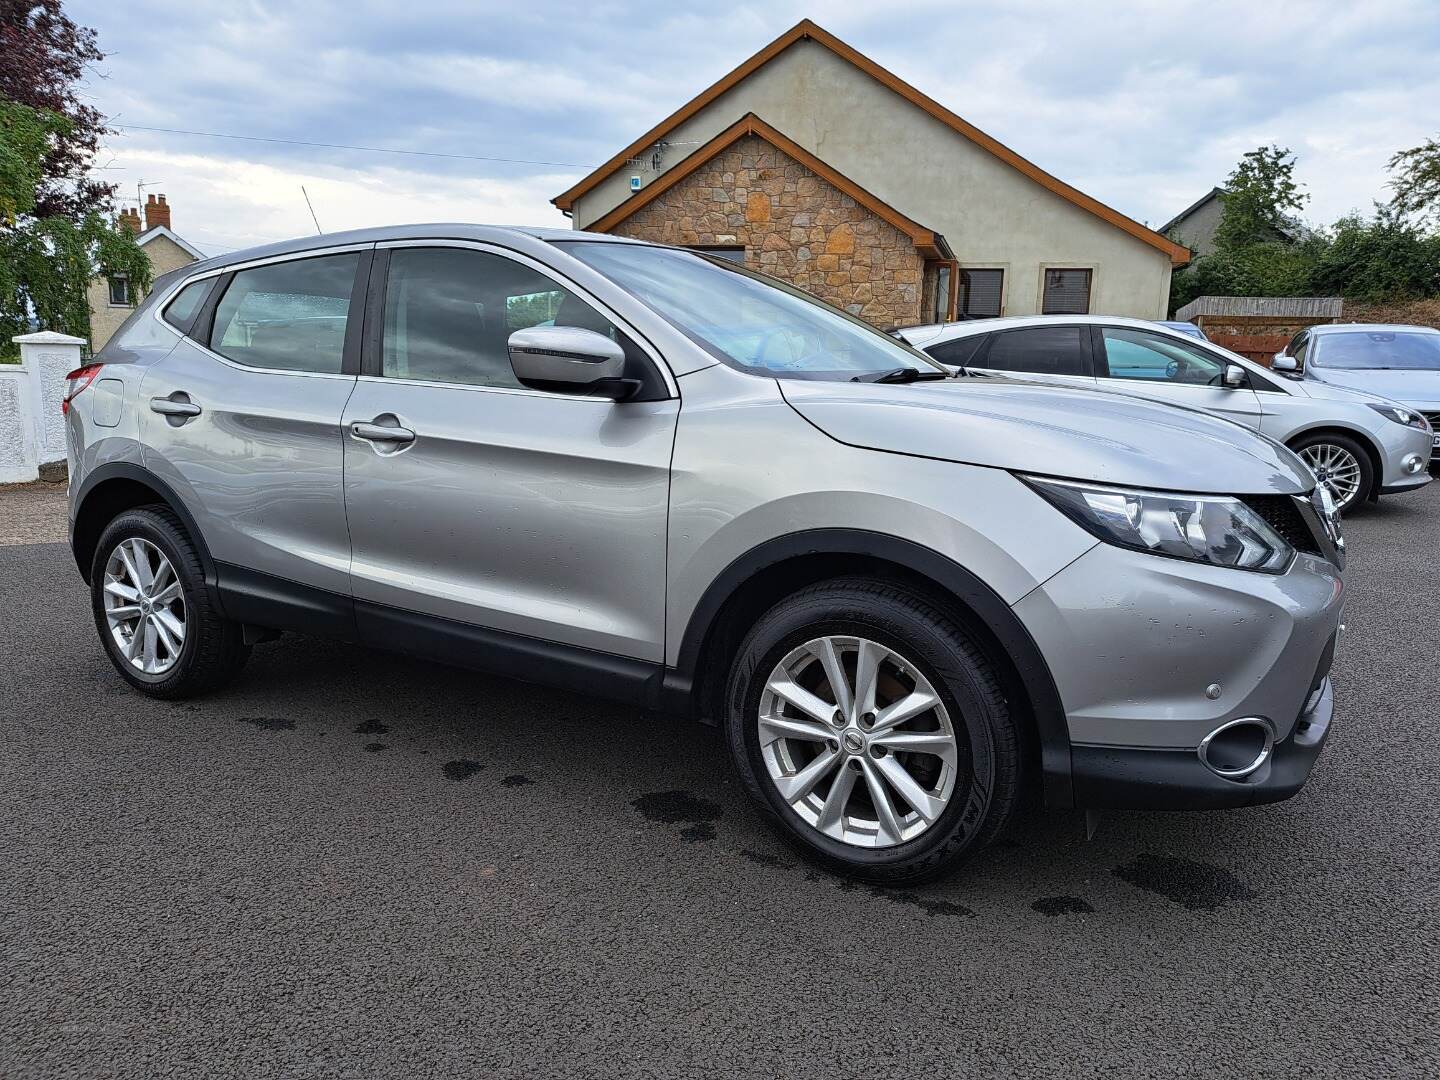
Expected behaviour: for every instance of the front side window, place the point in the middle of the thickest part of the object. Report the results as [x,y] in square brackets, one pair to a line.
[287,316]
[1067,292]
[119,291]
[1137,354]
[980,292]
[1381,350]
[750,322]
[449,314]
[1040,350]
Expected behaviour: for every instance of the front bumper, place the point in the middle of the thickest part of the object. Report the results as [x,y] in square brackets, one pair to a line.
[1131,778]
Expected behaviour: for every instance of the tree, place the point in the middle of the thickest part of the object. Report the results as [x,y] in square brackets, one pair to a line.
[46,263]
[43,57]
[1417,181]
[1384,259]
[1256,199]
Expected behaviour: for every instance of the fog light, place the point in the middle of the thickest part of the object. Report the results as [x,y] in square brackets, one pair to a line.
[1413,463]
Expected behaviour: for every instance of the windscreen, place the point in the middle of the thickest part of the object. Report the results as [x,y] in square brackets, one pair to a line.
[755,323]
[1377,349]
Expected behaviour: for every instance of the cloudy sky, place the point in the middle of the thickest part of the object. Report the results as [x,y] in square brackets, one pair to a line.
[1143,104]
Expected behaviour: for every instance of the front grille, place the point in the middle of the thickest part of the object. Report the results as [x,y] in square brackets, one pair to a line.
[1434,418]
[1283,515]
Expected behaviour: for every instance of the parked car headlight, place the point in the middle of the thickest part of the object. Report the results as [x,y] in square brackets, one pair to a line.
[1401,415]
[1214,529]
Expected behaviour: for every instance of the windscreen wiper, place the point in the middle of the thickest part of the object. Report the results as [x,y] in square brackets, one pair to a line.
[902,375]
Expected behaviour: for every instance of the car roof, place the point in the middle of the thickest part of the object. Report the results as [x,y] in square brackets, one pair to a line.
[434,231]
[930,331]
[1360,328]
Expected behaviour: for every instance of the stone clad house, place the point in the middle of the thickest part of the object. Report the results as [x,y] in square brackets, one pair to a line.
[111,299]
[811,162]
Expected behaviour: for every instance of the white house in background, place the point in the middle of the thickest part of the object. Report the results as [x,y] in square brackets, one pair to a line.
[815,164]
[111,299]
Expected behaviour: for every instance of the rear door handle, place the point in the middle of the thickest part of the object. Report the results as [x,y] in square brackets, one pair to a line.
[169,407]
[381,433]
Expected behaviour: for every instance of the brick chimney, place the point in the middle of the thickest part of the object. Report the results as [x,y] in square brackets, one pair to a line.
[130,219]
[157,212]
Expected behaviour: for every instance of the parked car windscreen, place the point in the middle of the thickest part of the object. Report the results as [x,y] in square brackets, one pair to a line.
[748,321]
[1377,349]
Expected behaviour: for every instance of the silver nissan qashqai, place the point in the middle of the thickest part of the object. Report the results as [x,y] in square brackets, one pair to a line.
[645,473]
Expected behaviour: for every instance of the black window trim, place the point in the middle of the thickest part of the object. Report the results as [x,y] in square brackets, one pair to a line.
[1086,347]
[659,386]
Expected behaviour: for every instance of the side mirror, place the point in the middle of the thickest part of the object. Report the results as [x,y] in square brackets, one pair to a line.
[569,360]
[1284,363]
[1235,376]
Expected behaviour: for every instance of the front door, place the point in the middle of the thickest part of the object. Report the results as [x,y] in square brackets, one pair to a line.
[475,500]
[1158,366]
[243,420]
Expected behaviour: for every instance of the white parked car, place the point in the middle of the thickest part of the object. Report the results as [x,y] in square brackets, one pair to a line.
[1361,445]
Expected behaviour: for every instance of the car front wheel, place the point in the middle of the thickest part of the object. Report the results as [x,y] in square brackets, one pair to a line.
[1341,464]
[872,731]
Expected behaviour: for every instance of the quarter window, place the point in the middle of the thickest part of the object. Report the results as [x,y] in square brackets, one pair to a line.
[1041,350]
[287,316]
[180,311]
[1137,354]
[979,293]
[1067,292]
[449,314]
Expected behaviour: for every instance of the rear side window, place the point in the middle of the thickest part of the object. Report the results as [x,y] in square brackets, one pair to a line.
[957,351]
[1040,350]
[181,311]
[287,316]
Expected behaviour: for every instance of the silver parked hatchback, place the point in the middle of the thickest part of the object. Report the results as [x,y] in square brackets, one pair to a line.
[641,472]
[1360,445]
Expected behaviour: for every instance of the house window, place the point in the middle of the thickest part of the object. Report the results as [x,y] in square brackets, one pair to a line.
[979,293]
[119,291]
[1067,292]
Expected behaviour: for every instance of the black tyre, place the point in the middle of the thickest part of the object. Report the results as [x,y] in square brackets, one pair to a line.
[153,612]
[1340,463]
[910,766]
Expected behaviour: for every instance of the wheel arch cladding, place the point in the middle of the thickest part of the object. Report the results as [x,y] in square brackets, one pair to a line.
[761,577]
[111,490]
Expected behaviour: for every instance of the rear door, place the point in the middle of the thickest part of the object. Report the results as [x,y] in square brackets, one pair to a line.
[1053,353]
[242,418]
[1168,369]
[476,500]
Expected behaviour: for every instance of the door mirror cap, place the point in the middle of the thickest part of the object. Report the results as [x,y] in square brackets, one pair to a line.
[569,360]
[1234,376]
[1284,363]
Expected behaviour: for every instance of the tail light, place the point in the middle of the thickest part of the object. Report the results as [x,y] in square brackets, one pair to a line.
[76,381]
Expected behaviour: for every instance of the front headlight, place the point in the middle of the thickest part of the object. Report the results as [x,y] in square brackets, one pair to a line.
[1401,415]
[1214,529]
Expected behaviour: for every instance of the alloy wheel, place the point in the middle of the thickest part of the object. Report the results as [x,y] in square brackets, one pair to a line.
[144,606]
[1337,469]
[857,742]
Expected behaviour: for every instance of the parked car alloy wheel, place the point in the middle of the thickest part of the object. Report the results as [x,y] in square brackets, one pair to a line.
[1341,465]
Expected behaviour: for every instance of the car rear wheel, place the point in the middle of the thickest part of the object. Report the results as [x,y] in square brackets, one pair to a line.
[872,731]
[153,611]
[1341,464]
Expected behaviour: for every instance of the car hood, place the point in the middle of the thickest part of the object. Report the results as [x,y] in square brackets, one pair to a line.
[1411,387]
[1069,432]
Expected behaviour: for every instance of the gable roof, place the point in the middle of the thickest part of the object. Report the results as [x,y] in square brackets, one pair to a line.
[164,230]
[929,243]
[1213,193]
[807,30]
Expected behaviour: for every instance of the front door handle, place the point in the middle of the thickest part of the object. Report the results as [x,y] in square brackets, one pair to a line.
[169,407]
[382,433]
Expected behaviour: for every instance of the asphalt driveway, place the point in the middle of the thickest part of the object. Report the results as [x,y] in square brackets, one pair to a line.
[352,865]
